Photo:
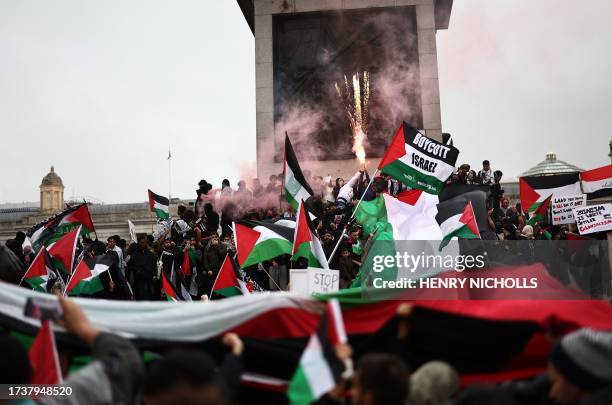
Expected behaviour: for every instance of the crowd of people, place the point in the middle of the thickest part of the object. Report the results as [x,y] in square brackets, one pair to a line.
[579,369]
[204,232]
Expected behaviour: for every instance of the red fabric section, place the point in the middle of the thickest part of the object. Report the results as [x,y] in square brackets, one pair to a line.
[151,200]
[279,323]
[528,195]
[396,150]
[469,220]
[245,241]
[410,196]
[185,268]
[63,249]
[604,172]
[43,357]
[302,231]
[226,277]
[38,267]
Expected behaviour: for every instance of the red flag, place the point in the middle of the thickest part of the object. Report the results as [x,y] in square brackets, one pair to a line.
[62,251]
[44,358]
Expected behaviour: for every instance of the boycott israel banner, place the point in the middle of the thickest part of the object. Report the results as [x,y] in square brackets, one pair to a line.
[562,208]
[418,161]
[594,218]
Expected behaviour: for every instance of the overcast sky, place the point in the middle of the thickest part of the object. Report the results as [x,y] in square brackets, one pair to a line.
[101,90]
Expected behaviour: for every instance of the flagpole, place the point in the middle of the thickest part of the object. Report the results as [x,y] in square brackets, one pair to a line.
[169,175]
[271,279]
[331,256]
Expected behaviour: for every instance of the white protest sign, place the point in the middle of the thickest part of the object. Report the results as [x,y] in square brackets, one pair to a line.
[562,208]
[313,280]
[132,229]
[594,218]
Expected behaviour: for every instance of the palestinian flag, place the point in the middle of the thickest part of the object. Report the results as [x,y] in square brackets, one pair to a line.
[41,275]
[52,229]
[597,183]
[258,241]
[540,215]
[188,269]
[410,216]
[43,357]
[456,218]
[418,161]
[172,294]
[160,205]
[62,252]
[86,277]
[295,186]
[306,244]
[535,189]
[318,370]
[229,282]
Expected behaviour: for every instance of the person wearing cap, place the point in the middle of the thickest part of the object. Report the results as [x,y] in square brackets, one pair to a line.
[580,368]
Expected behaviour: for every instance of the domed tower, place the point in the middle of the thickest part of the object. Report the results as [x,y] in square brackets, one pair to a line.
[51,193]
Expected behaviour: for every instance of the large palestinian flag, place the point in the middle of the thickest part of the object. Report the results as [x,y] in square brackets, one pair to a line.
[258,241]
[457,219]
[319,368]
[62,252]
[159,205]
[50,230]
[306,244]
[418,161]
[597,183]
[535,189]
[295,186]
[229,282]
[41,275]
[410,216]
[86,277]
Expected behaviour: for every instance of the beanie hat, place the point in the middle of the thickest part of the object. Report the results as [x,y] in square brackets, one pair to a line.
[584,358]
[435,382]
[528,230]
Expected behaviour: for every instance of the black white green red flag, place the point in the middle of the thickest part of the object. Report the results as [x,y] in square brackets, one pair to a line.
[306,244]
[417,161]
[41,275]
[85,279]
[457,219]
[295,186]
[229,283]
[535,189]
[159,205]
[50,230]
[174,293]
[540,215]
[257,241]
[319,369]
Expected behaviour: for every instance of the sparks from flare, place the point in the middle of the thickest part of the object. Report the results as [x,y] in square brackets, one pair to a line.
[356,98]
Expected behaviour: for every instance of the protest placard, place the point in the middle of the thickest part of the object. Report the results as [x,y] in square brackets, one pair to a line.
[562,208]
[594,218]
[314,280]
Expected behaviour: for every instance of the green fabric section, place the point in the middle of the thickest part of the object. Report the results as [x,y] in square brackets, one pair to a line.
[355,296]
[228,291]
[464,232]
[89,287]
[299,391]
[161,214]
[372,214]
[536,218]
[268,249]
[289,198]
[305,251]
[35,283]
[413,178]
[59,266]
